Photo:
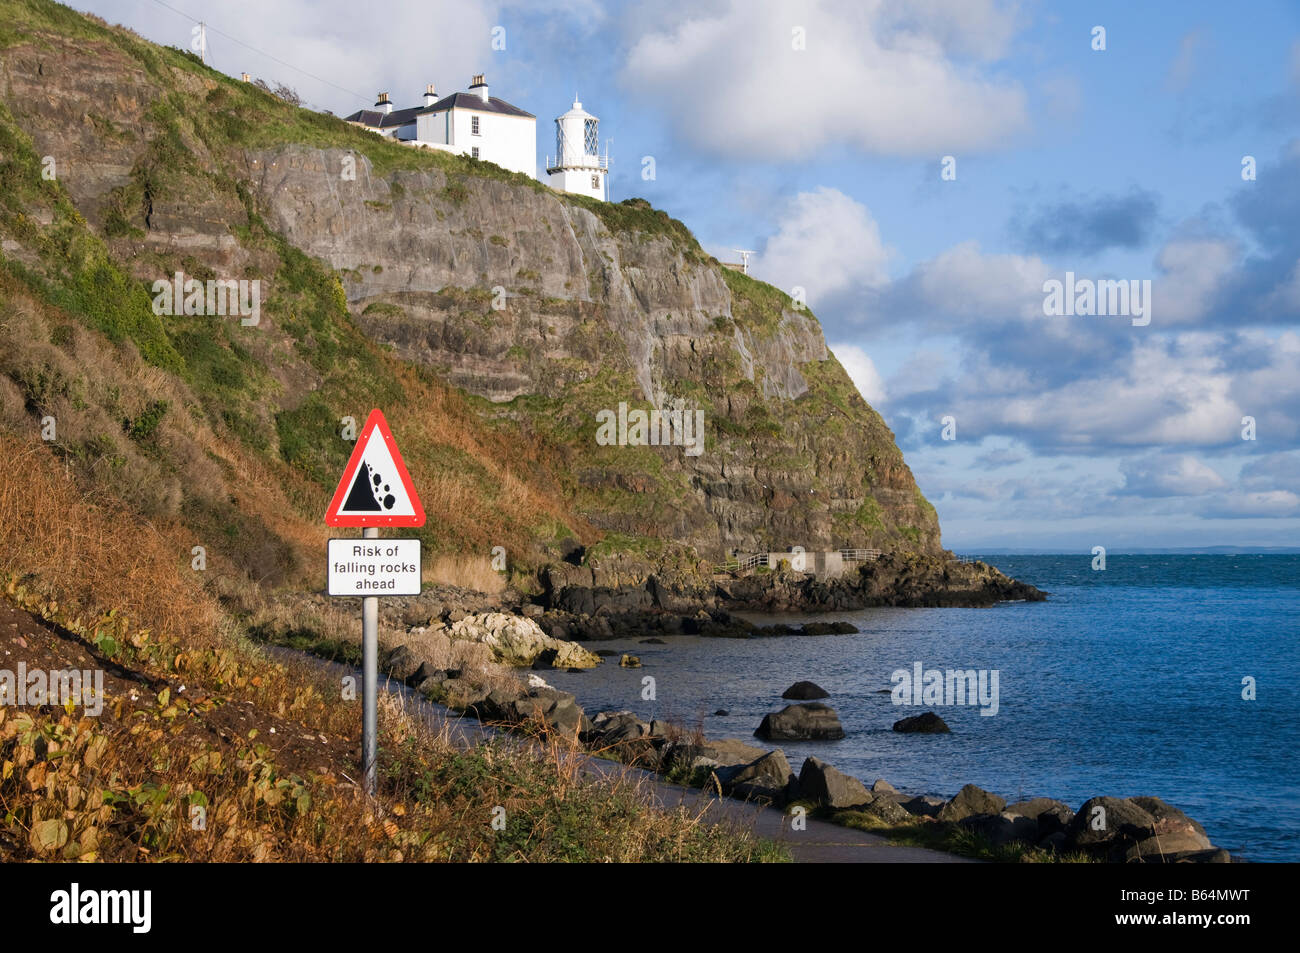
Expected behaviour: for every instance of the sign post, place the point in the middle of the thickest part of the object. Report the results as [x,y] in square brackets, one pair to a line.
[370,681]
[375,491]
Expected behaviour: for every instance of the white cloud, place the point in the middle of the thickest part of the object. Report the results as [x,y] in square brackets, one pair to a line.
[826,243]
[883,77]
[964,281]
[862,371]
[1273,503]
[397,46]
[1192,271]
[1165,475]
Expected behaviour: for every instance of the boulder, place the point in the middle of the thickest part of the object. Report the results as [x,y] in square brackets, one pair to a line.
[730,751]
[1052,816]
[1166,848]
[682,758]
[926,723]
[517,640]
[971,800]
[820,782]
[1109,825]
[1002,828]
[768,778]
[808,722]
[924,806]
[888,812]
[629,661]
[805,691]
[403,662]
[1168,819]
[883,787]
[611,728]
[722,711]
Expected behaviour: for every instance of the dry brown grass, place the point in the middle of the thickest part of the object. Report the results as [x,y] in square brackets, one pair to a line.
[466,572]
[96,554]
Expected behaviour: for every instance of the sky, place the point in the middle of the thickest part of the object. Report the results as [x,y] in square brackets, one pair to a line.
[919,172]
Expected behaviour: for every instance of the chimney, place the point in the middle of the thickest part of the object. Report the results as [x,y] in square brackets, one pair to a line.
[383,104]
[430,96]
[479,84]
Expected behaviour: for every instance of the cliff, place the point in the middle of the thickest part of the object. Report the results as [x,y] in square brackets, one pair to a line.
[492,318]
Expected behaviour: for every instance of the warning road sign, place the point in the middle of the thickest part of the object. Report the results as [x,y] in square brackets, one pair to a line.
[375,490]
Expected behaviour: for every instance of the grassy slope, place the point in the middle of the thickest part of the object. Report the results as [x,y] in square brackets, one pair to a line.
[198,719]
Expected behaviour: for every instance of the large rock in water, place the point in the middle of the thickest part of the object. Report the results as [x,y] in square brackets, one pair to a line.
[926,723]
[517,640]
[805,691]
[820,782]
[810,722]
[971,800]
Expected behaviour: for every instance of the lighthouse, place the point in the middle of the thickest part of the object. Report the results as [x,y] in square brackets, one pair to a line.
[578,166]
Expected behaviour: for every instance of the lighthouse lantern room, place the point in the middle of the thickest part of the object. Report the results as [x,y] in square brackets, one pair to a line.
[578,165]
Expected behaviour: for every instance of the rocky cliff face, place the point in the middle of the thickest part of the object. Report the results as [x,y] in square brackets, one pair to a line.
[541,306]
[546,309]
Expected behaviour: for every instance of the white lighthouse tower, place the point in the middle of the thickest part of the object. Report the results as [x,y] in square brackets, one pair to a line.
[578,165]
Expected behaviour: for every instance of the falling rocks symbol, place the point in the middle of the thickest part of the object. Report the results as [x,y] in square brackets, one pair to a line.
[369,493]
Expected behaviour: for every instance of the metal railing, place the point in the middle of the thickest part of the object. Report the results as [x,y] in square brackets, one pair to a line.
[742,562]
[860,555]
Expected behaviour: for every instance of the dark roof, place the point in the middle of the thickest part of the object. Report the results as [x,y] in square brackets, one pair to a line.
[400,117]
[373,117]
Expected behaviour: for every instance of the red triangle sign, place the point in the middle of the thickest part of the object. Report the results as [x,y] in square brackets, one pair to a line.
[375,490]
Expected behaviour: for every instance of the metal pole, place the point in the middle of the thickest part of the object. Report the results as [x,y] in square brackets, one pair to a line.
[370,680]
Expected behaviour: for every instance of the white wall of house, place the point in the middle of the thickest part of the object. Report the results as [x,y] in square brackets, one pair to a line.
[509,141]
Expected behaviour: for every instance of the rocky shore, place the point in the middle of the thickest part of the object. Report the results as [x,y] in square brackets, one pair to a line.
[1122,830]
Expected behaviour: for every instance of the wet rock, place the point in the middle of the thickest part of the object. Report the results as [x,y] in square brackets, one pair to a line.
[812,721]
[629,661]
[805,691]
[926,723]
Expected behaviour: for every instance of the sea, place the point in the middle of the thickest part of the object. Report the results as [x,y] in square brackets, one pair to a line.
[1169,675]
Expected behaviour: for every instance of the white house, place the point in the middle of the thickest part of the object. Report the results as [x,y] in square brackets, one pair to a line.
[472,123]
[578,165]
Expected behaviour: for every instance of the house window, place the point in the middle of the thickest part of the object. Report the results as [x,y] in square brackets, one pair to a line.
[595,181]
[473,125]
[474,152]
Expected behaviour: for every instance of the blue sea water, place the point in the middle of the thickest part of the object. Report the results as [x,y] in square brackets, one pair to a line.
[1127,681]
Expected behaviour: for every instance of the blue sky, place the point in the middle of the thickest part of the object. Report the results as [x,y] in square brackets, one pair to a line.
[1122,163]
